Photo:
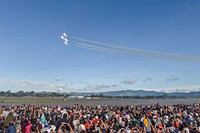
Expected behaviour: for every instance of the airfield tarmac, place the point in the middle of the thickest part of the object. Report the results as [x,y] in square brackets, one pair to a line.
[94,102]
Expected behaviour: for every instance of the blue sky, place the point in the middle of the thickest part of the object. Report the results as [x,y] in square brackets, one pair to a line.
[33,57]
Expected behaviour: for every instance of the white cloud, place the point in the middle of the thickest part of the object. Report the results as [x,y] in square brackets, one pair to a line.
[79,86]
[129,82]
[102,87]
[25,85]
[147,79]
[178,89]
[173,79]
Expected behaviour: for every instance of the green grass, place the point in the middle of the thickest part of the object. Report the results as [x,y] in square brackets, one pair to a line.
[29,100]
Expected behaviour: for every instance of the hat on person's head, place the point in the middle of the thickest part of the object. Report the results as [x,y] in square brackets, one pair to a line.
[155,116]
[159,125]
[155,112]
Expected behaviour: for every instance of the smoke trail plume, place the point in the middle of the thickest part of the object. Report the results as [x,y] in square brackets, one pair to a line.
[99,46]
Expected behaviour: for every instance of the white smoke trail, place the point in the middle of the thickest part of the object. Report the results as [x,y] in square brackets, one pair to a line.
[126,50]
[139,52]
[113,46]
[95,47]
[103,49]
[85,47]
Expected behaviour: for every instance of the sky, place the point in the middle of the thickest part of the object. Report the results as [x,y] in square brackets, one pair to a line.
[33,57]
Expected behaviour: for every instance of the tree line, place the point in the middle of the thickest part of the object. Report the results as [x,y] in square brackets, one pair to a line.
[56,94]
[31,94]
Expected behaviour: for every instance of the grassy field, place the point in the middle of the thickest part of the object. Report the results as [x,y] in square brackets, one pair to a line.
[29,100]
[93,102]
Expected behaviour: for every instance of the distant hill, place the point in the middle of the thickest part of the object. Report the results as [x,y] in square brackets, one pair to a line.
[120,93]
[132,93]
[141,93]
[186,94]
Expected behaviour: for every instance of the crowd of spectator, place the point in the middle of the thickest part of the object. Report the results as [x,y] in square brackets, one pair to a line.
[100,119]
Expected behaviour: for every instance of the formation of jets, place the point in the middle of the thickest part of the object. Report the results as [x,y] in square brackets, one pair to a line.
[99,46]
[64,38]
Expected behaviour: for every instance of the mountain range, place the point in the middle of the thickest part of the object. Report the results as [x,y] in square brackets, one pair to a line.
[140,93]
